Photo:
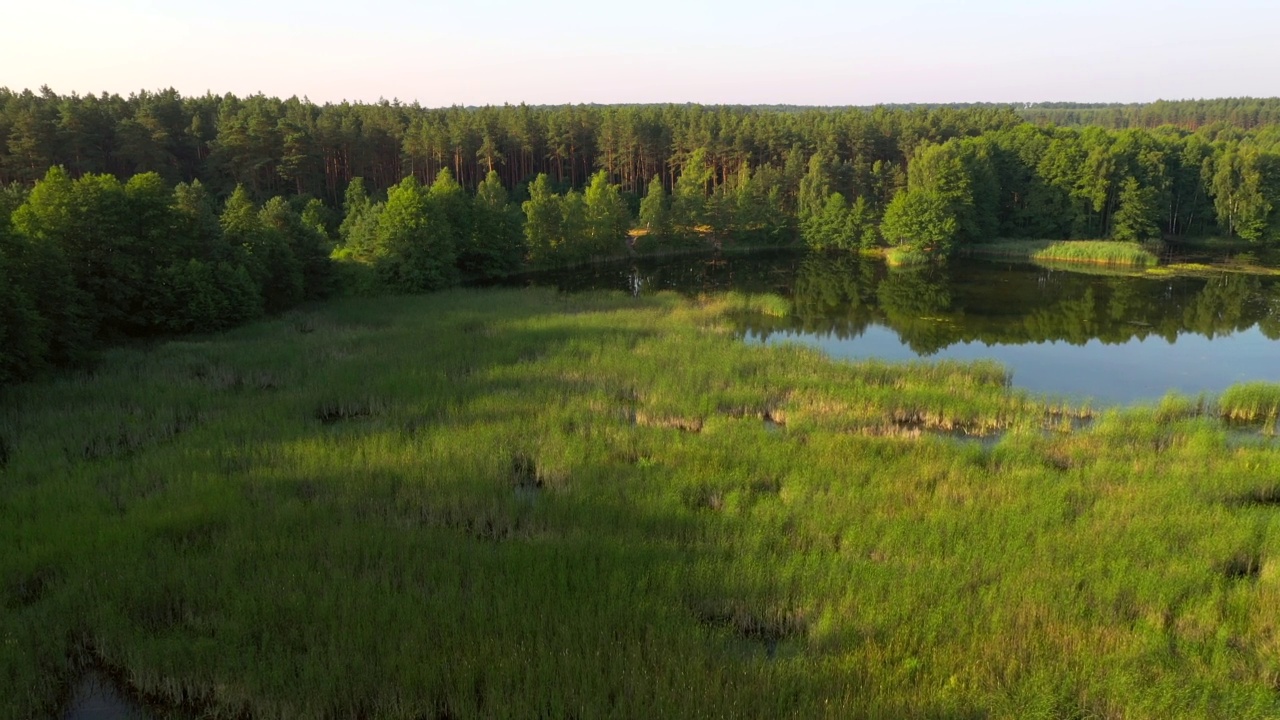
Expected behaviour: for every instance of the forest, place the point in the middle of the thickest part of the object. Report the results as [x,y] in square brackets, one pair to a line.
[287,430]
[156,214]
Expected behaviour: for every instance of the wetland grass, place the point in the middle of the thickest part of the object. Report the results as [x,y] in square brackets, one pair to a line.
[494,504]
[1097,252]
[1252,403]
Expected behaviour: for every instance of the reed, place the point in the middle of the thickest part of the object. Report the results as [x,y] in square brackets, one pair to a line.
[521,503]
[1251,402]
[1098,252]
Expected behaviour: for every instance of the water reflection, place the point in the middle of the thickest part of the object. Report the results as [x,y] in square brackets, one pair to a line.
[1113,338]
[999,304]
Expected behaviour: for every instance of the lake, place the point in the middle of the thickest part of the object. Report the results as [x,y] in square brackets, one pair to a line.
[1074,334]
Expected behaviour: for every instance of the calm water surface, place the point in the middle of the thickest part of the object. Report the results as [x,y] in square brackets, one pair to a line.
[1066,333]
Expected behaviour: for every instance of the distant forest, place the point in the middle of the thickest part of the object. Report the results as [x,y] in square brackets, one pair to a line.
[274,146]
[158,213]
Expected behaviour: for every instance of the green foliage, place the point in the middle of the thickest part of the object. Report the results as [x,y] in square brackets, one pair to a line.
[574,228]
[317,215]
[452,207]
[414,241]
[922,220]
[197,232]
[544,218]
[1050,180]
[607,218]
[689,196]
[569,229]
[198,297]
[759,215]
[961,175]
[88,223]
[815,189]
[354,233]
[263,236]
[23,335]
[307,260]
[830,228]
[1244,183]
[91,260]
[863,225]
[1251,402]
[496,245]
[655,212]
[1136,217]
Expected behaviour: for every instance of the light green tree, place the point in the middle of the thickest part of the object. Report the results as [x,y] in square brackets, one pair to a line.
[922,220]
[544,218]
[689,196]
[574,228]
[414,242]
[608,219]
[655,213]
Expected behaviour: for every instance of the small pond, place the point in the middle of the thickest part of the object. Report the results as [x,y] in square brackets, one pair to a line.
[1075,334]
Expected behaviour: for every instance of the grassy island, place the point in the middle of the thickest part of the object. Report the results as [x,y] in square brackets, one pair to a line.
[1096,252]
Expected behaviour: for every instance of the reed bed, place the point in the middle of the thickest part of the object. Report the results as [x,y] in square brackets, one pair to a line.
[1097,252]
[520,503]
[1251,402]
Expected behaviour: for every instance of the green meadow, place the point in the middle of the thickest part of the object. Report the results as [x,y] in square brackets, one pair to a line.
[521,503]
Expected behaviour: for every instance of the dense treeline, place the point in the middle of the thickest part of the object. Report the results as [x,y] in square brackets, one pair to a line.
[274,146]
[1244,113]
[91,261]
[167,214]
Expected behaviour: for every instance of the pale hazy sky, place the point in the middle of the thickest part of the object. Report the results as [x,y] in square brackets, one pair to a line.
[812,52]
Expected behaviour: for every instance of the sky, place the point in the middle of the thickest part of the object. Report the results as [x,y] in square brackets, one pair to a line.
[803,52]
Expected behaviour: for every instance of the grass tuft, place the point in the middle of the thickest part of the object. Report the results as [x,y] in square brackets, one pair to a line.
[905,256]
[1250,402]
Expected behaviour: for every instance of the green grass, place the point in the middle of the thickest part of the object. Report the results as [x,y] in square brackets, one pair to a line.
[1251,402]
[520,503]
[905,255]
[1099,252]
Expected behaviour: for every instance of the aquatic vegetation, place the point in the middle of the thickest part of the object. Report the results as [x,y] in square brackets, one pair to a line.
[1101,252]
[527,503]
[1251,402]
[905,255]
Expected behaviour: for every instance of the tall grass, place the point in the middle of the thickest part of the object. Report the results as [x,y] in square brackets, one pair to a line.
[1100,252]
[905,256]
[1251,402]
[521,503]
